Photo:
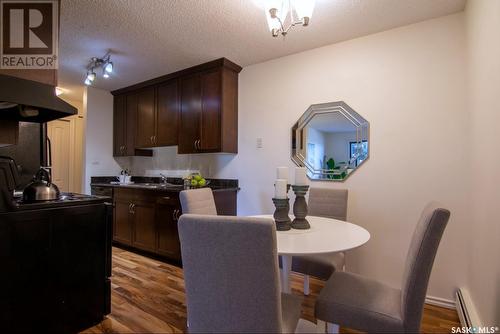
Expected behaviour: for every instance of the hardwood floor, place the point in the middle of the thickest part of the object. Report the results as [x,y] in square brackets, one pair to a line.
[148,297]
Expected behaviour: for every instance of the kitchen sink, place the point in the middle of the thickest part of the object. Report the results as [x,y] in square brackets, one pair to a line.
[154,185]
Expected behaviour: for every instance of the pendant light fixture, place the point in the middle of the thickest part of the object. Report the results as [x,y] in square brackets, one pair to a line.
[282,15]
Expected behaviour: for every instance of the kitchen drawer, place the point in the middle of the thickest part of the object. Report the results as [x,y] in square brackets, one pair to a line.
[101,191]
[134,195]
[171,199]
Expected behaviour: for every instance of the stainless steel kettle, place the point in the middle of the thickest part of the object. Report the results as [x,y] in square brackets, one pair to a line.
[41,189]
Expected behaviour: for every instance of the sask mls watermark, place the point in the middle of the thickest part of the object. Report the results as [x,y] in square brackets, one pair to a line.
[28,34]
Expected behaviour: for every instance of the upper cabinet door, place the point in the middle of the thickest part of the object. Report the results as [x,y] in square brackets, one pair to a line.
[146,121]
[189,129]
[210,129]
[131,116]
[119,125]
[167,113]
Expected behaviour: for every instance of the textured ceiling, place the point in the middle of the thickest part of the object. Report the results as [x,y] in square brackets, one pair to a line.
[149,38]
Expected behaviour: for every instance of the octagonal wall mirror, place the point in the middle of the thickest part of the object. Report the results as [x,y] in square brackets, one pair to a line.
[331,140]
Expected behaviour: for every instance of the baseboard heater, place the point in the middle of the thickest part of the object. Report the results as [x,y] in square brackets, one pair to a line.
[465,309]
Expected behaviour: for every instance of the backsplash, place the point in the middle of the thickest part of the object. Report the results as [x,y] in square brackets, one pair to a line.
[165,160]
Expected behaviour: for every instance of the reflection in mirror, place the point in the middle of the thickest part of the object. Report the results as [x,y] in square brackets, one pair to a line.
[331,140]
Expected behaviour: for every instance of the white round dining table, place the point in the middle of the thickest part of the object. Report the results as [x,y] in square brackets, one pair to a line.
[326,236]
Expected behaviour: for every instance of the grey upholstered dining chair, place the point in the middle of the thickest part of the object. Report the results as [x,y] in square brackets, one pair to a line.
[198,201]
[231,275]
[329,203]
[364,304]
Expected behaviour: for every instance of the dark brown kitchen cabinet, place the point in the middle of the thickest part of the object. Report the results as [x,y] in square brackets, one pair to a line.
[147,220]
[157,115]
[209,112]
[168,243]
[167,113]
[122,227]
[190,116]
[145,129]
[124,125]
[119,125]
[195,108]
[144,229]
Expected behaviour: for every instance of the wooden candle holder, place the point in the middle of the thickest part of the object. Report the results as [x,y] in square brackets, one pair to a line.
[280,216]
[300,208]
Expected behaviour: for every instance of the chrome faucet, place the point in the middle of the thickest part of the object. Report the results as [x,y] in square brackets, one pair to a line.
[163,178]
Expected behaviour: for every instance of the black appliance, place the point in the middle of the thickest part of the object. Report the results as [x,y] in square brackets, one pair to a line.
[56,265]
[31,101]
[30,153]
[56,259]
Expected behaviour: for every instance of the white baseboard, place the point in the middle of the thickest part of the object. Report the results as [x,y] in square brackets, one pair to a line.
[442,302]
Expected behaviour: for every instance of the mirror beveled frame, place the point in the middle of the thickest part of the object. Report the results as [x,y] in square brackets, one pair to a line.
[298,148]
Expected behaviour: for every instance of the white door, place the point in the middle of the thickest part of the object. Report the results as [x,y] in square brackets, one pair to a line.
[59,133]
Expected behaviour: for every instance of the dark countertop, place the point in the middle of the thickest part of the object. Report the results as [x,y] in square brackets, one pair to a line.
[155,184]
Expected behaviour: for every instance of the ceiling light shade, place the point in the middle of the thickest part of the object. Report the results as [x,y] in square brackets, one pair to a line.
[105,75]
[304,8]
[281,7]
[88,82]
[109,67]
[91,76]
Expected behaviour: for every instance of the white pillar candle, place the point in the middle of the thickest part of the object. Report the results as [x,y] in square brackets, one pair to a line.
[300,176]
[280,189]
[282,173]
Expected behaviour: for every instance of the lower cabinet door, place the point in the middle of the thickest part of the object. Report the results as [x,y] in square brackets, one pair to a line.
[144,234]
[167,234]
[122,227]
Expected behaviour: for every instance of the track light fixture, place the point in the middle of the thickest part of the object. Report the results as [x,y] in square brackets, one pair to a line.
[95,63]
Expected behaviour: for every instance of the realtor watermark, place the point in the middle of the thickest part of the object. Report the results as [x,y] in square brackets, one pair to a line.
[483,329]
[29,34]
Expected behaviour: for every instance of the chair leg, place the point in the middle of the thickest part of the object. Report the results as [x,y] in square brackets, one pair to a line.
[306,285]
[320,326]
[332,328]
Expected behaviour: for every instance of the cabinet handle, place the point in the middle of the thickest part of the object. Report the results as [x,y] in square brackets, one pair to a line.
[195,145]
[151,139]
[155,140]
[176,214]
[130,208]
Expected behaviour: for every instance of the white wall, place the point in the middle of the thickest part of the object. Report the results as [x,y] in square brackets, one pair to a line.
[338,146]
[409,84]
[483,51]
[98,135]
[317,138]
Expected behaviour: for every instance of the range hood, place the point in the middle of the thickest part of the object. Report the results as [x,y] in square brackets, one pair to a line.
[31,101]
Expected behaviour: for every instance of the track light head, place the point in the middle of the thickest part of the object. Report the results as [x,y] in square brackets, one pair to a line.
[108,67]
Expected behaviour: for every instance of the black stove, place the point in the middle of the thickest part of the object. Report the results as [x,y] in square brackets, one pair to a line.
[66,199]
